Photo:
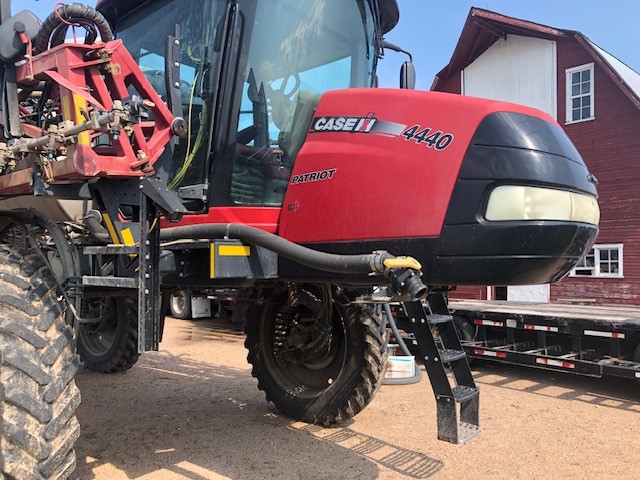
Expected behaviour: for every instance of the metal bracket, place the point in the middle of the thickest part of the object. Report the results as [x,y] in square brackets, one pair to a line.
[149,325]
[194,192]
[164,198]
[72,190]
[172,73]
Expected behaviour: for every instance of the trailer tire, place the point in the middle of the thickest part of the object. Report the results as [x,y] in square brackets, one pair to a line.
[113,346]
[322,393]
[180,305]
[466,331]
[38,394]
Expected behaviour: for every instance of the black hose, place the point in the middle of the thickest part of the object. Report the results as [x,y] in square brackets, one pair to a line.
[394,329]
[54,29]
[93,221]
[403,346]
[328,262]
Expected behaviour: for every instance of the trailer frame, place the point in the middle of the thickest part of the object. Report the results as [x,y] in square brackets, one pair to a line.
[591,340]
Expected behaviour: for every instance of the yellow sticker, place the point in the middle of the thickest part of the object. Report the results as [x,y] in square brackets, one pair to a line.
[234,250]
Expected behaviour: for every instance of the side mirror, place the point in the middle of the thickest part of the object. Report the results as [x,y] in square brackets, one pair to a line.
[408,76]
[408,71]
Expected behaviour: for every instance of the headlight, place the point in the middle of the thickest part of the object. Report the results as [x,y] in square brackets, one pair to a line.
[511,202]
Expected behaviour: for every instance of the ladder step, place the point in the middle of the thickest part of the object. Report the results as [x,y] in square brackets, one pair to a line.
[462,393]
[436,319]
[457,407]
[449,356]
[110,282]
[111,250]
[466,431]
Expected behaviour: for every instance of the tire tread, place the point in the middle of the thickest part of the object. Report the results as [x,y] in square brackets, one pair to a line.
[362,384]
[38,360]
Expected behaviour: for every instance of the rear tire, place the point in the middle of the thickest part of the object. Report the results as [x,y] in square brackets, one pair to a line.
[38,394]
[111,346]
[335,386]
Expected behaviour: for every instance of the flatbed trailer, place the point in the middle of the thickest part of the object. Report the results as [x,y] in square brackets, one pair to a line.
[592,340]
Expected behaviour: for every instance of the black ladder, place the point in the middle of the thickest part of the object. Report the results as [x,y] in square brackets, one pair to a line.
[457,396]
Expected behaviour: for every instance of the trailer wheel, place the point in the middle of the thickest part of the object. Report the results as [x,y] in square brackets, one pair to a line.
[466,330]
[317,359]
[38,394]
[111,345]
[180,305]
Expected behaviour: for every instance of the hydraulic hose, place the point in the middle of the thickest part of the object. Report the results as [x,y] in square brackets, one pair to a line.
[54,29]
[93,221]
[403,272]
[328,262]
[403,346]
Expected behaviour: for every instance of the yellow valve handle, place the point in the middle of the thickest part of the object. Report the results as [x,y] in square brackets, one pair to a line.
[402,262]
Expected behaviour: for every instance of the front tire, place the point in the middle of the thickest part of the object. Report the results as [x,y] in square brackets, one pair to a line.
[38,394]
[326,380]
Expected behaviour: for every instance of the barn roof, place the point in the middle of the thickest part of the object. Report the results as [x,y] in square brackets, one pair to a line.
[484,27]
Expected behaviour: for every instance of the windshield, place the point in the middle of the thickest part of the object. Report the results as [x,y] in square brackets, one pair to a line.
[286,54]
[195,22]
[293,52]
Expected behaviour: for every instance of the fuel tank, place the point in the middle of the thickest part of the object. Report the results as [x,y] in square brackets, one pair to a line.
[57,209]
[479,191]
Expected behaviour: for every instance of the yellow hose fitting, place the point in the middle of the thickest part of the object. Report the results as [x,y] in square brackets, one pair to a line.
[402,262]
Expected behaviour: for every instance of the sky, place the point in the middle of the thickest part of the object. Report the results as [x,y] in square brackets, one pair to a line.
[429,29]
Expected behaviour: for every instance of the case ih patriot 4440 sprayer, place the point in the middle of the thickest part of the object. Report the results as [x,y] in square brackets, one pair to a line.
[216,143]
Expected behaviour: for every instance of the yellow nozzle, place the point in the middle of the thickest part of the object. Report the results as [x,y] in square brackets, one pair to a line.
[402,262]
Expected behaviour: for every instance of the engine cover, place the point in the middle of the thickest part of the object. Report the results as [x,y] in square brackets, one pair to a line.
[412,172]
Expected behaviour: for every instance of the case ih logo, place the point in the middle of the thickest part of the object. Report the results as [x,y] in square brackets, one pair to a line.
[369,124]
[344,124]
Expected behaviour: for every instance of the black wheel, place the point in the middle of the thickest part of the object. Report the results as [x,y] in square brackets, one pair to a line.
[317,358]
[112,344]
[38,394]
[180,305]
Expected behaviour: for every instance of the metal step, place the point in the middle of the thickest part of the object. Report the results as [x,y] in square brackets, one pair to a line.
[463,393]
[110,282]
[466,431]
[458,425]
[440,348]
[449,356]
[111,250]
[437,319]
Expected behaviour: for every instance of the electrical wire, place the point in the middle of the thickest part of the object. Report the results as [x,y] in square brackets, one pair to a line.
[189,157]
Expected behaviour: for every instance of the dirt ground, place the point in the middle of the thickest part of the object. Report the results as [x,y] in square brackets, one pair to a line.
[192,411]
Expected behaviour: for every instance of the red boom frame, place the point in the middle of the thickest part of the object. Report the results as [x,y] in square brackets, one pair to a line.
[92,77]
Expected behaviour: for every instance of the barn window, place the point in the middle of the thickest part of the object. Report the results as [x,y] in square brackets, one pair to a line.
[580,94]
[601,261]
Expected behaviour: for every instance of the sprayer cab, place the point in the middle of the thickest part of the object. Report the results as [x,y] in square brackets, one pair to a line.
[236,122]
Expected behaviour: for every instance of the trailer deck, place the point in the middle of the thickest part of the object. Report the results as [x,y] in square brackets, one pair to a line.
[593,340]
[616,315]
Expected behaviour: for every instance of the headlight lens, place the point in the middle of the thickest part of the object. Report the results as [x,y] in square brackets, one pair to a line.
[514,202]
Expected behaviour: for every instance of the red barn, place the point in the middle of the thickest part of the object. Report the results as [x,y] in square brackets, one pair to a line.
[596,98]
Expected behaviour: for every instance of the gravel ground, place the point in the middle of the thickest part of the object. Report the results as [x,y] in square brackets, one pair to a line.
[192,411]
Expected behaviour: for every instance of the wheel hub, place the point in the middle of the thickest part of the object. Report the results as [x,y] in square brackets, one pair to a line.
[303,334]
